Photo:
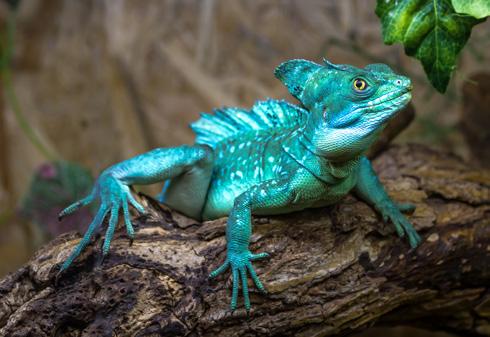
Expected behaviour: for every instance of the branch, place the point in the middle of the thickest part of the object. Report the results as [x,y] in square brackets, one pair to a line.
[333,270]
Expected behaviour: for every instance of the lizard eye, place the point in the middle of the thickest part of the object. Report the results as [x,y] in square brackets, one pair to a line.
[359,84]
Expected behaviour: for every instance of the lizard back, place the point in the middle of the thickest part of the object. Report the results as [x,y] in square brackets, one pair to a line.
[247,148]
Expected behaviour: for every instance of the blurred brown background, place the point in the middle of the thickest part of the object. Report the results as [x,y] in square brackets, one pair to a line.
[102,80]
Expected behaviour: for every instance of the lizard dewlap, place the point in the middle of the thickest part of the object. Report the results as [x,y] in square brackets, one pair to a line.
[275,158]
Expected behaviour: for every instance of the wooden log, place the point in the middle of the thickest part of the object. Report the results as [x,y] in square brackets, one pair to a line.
[332,270]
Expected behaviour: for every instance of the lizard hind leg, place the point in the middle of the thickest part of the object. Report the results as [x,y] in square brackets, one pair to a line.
[112,188]
[187,192]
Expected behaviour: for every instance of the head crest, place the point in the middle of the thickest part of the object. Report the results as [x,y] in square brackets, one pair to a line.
[379,67]
[330,65]
[295,73]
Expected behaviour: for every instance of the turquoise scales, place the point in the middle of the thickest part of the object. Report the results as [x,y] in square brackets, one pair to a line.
[275,158]
[247,148]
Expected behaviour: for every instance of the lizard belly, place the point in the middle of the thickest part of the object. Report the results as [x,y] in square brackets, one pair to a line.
[310,192]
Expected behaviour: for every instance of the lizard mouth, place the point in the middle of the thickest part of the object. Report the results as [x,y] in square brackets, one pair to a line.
[379,108]
[391,98]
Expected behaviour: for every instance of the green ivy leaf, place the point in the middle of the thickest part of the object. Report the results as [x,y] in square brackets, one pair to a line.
[476,8]
[430,30]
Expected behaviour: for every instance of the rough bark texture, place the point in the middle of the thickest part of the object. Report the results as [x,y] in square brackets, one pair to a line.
[332,271]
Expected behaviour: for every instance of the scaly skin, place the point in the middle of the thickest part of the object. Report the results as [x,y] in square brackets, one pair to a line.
[276,158]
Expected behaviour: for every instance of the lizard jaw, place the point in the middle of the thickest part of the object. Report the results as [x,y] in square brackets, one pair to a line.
[383,106]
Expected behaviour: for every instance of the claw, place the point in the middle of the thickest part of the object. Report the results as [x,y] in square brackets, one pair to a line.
[101,259]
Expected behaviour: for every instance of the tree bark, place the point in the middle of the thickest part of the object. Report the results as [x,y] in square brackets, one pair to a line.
[332,270]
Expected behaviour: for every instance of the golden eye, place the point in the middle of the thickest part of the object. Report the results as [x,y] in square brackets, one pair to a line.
[360,84]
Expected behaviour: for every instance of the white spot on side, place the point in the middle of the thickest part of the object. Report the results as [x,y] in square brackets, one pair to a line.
[271,159]
[239,174]
[232,149]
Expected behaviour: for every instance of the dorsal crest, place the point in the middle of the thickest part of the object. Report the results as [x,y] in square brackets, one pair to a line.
[271,114]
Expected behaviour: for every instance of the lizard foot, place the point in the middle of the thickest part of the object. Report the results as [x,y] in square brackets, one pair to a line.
[241,266]
[114,198]
[402,225]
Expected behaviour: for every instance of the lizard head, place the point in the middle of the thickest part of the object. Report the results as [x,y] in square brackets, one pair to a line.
[348,106]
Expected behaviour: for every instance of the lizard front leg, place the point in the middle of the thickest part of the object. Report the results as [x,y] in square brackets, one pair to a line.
[371,190]
[266,195]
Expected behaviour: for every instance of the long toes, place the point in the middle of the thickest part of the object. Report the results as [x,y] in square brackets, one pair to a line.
[414,239]
[111,228]
[99,217]
[135,204]
[234,294]
[259,256]
[246,297]
[77,205]
[68,210]
[255,278]
[127,218]
[399,229]
[219,270]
